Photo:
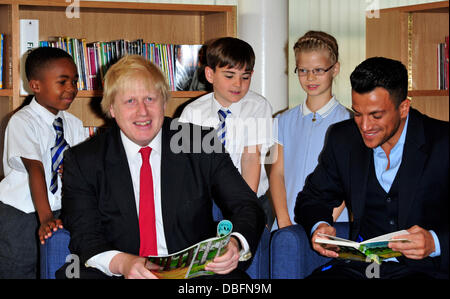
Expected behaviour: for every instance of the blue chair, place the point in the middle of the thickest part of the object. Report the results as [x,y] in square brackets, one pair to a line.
[260,266]
[53,253]
[291,255]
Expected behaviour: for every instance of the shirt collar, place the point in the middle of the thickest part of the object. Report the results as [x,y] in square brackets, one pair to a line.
[235,108]
[44,113]
[132,149]
[324,111]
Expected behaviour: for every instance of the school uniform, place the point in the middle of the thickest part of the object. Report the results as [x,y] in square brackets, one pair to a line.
[29,134]
[302,132]
[248,124]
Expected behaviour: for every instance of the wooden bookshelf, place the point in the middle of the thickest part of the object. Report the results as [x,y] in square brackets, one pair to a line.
[105,21]
[411,34]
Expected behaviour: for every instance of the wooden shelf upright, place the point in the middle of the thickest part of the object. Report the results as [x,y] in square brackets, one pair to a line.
[106,21]
[411,34]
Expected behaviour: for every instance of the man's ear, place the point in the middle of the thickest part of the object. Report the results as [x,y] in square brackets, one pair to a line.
[111,111]
[34,85]
[404,108]
[209,74]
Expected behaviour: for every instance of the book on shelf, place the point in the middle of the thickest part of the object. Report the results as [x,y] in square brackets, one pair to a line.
[442,64]
[1,59]
[372,250]
[94,58]
[29,39]
[191,262]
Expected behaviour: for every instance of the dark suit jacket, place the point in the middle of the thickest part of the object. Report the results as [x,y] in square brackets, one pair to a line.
[99,207]
[343,170]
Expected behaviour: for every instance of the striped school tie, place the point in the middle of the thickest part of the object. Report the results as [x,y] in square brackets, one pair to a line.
[57,152]
[222,130]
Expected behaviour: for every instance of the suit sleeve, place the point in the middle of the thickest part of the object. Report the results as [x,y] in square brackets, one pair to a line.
[236,200]
[80,211]
[323,189]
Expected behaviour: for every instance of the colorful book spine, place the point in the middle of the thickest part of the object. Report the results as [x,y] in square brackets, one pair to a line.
[93,59]
[446,69]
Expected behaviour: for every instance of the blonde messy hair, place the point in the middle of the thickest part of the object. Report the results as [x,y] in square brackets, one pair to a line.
[124,73]
[318,40]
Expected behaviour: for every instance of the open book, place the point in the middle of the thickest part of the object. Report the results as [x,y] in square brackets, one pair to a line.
[191,262]
[372,250]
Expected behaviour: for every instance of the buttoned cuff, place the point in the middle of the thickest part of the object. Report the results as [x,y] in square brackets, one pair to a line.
[101,262]
[245,253]
[437,245]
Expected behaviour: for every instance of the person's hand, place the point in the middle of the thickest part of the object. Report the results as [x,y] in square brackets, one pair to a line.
[228,261]
[60,170]
[47,227]
[421,245]
[132,266]
[323,228]
[284,223]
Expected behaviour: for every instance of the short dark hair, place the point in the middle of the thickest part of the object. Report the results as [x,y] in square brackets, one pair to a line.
[381,72]
[231,52]
[39,58]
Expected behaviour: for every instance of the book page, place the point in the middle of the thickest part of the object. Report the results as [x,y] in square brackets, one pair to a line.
[387,237]
[191,262]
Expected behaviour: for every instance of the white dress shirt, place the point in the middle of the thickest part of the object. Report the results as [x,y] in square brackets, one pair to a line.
[249,124]
[30,134]
[102,260]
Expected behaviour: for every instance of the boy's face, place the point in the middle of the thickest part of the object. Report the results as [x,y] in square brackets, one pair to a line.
[230,84]
[139,112]
[56,87]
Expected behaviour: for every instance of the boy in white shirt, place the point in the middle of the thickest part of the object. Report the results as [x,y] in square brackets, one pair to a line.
[243,118]
[35,139]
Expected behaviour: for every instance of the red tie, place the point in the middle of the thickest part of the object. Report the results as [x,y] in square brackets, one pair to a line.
[147,226]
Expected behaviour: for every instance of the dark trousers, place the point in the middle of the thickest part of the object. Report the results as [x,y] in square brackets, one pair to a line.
[19,243]
[92,273]
[347,269]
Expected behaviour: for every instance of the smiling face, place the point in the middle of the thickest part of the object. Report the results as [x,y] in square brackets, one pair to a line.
[316,85]
[379,121]
[55,87]
[230,84]
[139,111]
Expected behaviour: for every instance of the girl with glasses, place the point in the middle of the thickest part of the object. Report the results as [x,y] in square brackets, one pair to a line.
[302,129]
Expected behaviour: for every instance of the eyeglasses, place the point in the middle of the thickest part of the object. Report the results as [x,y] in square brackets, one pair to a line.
[316,72]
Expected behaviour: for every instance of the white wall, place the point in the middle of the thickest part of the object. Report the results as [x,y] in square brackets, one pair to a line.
[264,25]
[345,20]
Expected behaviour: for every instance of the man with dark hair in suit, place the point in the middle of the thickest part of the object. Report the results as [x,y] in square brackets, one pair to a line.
[104,205]
[390,166]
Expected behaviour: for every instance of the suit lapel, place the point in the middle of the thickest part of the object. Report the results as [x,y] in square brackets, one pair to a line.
[415,154]
[172,181]
[120,182]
